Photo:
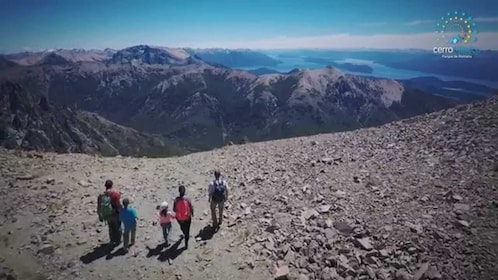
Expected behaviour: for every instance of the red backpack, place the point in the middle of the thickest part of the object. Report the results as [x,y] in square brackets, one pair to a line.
[182,209]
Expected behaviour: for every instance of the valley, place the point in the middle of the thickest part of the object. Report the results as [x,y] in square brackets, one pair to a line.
[192,105]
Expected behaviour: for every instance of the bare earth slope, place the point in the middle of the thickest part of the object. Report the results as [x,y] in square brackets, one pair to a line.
[415,199]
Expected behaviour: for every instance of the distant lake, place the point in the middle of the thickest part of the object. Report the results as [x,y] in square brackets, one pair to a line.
[379,70]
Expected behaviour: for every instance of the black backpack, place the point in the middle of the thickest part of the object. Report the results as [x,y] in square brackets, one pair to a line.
[219,190]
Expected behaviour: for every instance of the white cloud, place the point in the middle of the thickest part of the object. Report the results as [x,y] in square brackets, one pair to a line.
[419,22]
[486,19]
[486,40]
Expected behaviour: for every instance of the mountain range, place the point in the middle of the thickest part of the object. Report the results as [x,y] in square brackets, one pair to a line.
[169,99]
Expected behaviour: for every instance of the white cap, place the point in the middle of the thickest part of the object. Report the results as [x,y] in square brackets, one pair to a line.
[164,205]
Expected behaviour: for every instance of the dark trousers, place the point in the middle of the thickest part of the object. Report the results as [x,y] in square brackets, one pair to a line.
[220,205]
[185,227]
[114,224]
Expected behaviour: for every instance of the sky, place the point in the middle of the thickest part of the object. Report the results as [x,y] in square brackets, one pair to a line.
[33,25]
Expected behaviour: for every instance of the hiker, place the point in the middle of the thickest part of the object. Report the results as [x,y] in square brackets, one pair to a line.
[165,218]
[218,194]
[128,216]
[108,207]
[184,211]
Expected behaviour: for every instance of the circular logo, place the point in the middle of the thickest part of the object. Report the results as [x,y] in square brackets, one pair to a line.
[457,28]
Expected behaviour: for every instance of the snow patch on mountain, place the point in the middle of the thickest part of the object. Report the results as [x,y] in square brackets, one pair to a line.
[177,53]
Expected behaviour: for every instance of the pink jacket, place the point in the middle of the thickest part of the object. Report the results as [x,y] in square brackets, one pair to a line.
[165,219]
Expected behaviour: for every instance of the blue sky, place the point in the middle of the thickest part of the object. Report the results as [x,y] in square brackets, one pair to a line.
[45,24]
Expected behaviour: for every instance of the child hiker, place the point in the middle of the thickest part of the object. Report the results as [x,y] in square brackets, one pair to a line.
[165,218]
[128,216]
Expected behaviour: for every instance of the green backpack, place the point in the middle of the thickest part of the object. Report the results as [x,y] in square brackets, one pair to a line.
[106,210]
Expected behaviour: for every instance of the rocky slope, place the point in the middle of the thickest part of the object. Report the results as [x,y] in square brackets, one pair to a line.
[29,121]
[170,92]
[414,199]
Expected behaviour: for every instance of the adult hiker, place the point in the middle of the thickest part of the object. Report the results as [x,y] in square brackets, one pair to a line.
[218,194]
[184,211]
[108,207]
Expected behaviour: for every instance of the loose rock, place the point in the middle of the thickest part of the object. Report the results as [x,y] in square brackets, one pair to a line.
[461,207]
[47,249]
[421,272]
[402,274]
[343,228]
[363,243]
[463,223]
[25,177]
[310,214]
[281,271]
[433,273]
[324,209]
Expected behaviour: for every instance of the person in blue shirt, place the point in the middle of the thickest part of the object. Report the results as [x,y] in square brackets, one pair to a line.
[128,217]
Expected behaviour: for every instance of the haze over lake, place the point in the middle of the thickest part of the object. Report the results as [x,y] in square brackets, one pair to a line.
[294,59]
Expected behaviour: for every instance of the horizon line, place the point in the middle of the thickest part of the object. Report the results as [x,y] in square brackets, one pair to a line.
[231,49]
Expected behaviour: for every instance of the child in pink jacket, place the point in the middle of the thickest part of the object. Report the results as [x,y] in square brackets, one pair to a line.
[165,218]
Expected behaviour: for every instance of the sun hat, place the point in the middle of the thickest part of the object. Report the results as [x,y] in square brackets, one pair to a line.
[164,205]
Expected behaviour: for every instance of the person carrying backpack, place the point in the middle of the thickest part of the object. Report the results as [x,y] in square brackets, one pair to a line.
[218,194]
[184,211]
[108,208]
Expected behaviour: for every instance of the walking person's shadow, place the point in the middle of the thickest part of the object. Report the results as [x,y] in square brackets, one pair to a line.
[169,254]
[120,252]
[103,250]
[206,233]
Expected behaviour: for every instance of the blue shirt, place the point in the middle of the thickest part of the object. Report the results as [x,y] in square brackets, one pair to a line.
[128,217]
